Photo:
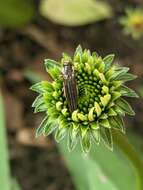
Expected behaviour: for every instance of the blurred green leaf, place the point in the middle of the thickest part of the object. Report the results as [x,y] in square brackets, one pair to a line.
[140,90]
[32,76]
[14,13]
[75,12]
[100,170]
[5,179]
[15,185]
[5,182]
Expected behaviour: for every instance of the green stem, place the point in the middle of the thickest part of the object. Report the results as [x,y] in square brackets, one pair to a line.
[4,157]
[122,142]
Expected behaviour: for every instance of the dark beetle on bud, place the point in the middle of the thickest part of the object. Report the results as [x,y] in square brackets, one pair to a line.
[70,86]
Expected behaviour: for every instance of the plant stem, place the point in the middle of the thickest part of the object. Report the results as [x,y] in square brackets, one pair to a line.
[4,158]
[123,143]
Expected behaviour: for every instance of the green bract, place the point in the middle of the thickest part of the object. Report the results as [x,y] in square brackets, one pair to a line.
[100,104]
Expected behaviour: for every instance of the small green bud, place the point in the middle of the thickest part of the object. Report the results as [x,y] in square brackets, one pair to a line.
[82,117]
[97,108]
[85,56]
[59,106]
[55,94]
[90,61]
[96,73]
[105,99]
[87,68]
[74,116]
[65,112]
[90,114]
[56,85]
[105,89]
[77,57]
[101,67]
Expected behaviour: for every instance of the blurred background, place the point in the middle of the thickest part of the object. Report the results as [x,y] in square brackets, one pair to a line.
[32,30]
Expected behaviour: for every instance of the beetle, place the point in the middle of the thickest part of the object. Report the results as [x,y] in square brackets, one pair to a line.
[70,86]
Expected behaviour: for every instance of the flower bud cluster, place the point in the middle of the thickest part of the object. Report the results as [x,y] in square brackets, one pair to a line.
[100,107]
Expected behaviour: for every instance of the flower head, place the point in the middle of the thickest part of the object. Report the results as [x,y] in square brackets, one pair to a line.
[133,22]
[100,106]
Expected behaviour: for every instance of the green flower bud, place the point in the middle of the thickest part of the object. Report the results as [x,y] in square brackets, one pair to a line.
[97,109]
[82,117]
[65,112]
[105,89]
[74,116]
[90,114]
[59,106]
[100,106]
[105,99]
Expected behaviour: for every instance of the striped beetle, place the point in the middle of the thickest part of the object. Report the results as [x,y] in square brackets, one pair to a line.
[70,86]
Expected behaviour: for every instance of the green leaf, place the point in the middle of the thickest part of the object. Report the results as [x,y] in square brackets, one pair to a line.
[74,13]
[60,133]
[98,169]
[40,107]
[106,136]
[115,95]
[15,185]
[13,14]
[105,123]
[121,68]
[112,112]
[38,101]
[72,136]
[78,50]
[123,104]
[47,86]
[5,183]
[104,116]
[41,128]
[51,64]
[54,114]
[54,72]
[84,130]
[63,122]
[86,142]
[50,126]
[127,77]
[117,122]
[119,110]
[32,76]
[71,143]
[48,97]
[96,135]
[116,84]
[108,61]
[37,87]
[125,91]
[119,73]
[41,87]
